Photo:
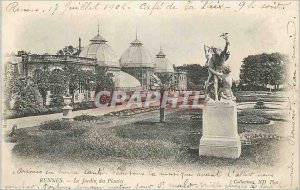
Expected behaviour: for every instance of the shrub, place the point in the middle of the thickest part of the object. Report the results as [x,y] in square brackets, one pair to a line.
[29,101]
[55,110]
[22,109]
[253,119]
[20,105]
[85,117]
[56,125]
[83,105]
[11,114]
[57,100]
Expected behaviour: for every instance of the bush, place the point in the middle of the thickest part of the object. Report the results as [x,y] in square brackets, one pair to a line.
[56,125]
[83,105]
[54,110]
[29,101]
[253,119]
[85,117]
[57,100]
[20,105]
[11,114]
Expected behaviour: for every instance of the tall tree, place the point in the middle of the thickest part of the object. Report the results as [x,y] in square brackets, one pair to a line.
[102,80]
[164,83]
[196,74]
[77,78]
[264,69]
[58,87]
[41,78]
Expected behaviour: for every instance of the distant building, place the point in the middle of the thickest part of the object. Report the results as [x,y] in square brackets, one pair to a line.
[164,66]
[131,72]
[102,54]
[138,62]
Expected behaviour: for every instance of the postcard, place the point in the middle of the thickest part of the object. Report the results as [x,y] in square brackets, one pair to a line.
[150,94]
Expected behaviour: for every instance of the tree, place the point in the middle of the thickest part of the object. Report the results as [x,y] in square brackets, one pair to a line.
[196,74]
[68,50]
[42,79]
[258,71]
[29,100]
[58,87]
[19,84]
[102,80]
[72,75]
[165,83]
[13,88]
[77,79]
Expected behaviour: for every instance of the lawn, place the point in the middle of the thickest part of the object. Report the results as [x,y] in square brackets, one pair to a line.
[142,139]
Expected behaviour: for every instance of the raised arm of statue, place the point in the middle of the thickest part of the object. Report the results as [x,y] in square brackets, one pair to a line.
[226,46]
[205,50]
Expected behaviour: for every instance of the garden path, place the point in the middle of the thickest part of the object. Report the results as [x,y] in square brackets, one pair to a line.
[31,121]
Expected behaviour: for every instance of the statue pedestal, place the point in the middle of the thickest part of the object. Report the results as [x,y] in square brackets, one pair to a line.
[67,109]
[220,137]
[67,113]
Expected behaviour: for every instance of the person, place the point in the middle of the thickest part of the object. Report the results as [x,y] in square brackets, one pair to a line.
[225,91]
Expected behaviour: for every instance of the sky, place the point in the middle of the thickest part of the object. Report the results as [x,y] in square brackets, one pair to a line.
[182,35]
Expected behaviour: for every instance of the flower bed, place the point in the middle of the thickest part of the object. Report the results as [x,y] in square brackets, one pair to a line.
[88,118]
[260,107]
[129,112]
[252,137]
[252,112]
[253,119]
[277,116]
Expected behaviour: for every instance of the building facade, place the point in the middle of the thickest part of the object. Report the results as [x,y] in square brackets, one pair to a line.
[138,62]
[133,71]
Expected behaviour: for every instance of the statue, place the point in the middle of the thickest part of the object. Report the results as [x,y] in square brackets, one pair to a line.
[215,60]
[225,91]
[220,136]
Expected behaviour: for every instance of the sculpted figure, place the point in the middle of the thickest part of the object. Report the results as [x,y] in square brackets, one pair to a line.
[225,91]
[215,59]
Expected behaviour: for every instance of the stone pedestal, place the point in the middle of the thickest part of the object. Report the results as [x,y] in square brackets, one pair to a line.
[67,109]
[220,137]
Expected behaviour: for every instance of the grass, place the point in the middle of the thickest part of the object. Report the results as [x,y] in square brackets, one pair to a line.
[144,141]
[56,125]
